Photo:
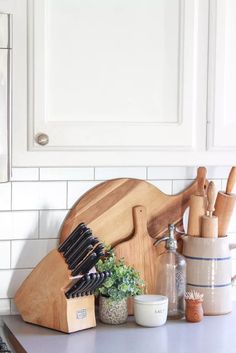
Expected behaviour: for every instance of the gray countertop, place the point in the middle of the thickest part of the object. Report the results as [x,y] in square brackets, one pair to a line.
[215,334]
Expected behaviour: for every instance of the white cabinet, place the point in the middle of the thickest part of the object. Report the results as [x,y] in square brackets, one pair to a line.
[121,82]
[222,76]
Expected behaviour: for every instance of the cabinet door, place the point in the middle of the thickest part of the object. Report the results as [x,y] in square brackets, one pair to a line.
[114,76]
[222,76]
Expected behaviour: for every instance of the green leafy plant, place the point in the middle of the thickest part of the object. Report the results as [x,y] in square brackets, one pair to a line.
[124,282]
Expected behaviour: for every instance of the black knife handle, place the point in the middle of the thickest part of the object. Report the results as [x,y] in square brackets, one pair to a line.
[76,232]
[106,275]
[95,241]
[94,283]
[77,243]
[89,265]
[99,277]
[76,286]
[99,248]
[77,259]
[88,284]
[84,264]
[80,248]
[89,278]
[98,283]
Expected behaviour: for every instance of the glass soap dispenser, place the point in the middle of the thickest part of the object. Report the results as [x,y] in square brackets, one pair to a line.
[171,275]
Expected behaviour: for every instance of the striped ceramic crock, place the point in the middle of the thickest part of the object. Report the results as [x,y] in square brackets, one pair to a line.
[209,272]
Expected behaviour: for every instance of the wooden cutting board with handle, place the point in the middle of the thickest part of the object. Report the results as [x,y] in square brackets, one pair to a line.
[139,252]
[107,209]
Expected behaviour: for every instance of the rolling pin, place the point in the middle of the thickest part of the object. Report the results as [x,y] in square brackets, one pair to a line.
[225,203]
[210,222]
[197,205]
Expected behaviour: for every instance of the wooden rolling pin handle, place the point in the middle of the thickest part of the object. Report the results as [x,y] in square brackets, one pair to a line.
[201,179]
[209,227]
[211,195]
[231,181]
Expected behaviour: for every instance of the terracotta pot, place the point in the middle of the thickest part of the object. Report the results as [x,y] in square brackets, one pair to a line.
[113,311]
[193,310]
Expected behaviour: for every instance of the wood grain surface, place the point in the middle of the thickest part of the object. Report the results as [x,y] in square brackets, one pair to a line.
[140,252]
[107,209]
[41,299]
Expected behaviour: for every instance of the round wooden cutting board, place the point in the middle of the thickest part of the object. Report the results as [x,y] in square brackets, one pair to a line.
[107,209]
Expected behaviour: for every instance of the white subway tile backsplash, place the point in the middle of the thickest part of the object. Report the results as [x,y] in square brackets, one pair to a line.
[50,223]
[28,253]
[77,188]
[217,172]
[34,205]
[23,174]
[11,280]
[66,173]
[180,185]
[172,173]
[102,173]
[14,310]
[5,196]
[5,254]
[18,225]
[164,185]
[5,307]
[224,183]
[38,195]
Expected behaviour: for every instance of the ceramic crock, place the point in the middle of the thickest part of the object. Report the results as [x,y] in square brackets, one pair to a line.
[209,272]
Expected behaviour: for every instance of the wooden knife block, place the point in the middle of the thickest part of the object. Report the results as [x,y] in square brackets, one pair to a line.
[41,299]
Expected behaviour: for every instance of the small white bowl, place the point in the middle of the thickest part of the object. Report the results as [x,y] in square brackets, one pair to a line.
[150,310]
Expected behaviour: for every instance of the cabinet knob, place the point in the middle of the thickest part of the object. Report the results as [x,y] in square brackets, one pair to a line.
[42,139]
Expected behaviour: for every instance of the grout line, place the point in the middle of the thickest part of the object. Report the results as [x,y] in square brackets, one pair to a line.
[17,268]
[10,253]
[67,194]
[36,209]
[146,173]
[94,173]
[39,224]
[11,196]
[27,239]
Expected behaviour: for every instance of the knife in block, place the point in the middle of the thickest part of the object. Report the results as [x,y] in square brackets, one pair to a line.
[41,298]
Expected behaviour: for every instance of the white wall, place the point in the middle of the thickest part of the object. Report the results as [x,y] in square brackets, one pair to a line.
[35,202]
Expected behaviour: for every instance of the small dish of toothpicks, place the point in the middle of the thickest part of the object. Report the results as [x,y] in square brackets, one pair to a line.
[193,310]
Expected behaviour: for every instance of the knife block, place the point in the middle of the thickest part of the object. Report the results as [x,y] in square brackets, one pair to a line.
[41,299]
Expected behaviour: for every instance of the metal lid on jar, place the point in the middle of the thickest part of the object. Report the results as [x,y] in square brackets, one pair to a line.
[147,299]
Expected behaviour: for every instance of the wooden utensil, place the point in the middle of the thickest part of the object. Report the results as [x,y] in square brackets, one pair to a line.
[225,203]
[197,205]
[210,222]
[139,252]
[107,209]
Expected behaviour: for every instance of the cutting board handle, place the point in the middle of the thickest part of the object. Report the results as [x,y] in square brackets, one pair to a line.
[140,220]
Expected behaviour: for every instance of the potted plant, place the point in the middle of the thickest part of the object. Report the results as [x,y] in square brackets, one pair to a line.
[123,283]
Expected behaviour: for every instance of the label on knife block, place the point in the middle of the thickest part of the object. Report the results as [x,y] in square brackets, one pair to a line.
[81,314]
